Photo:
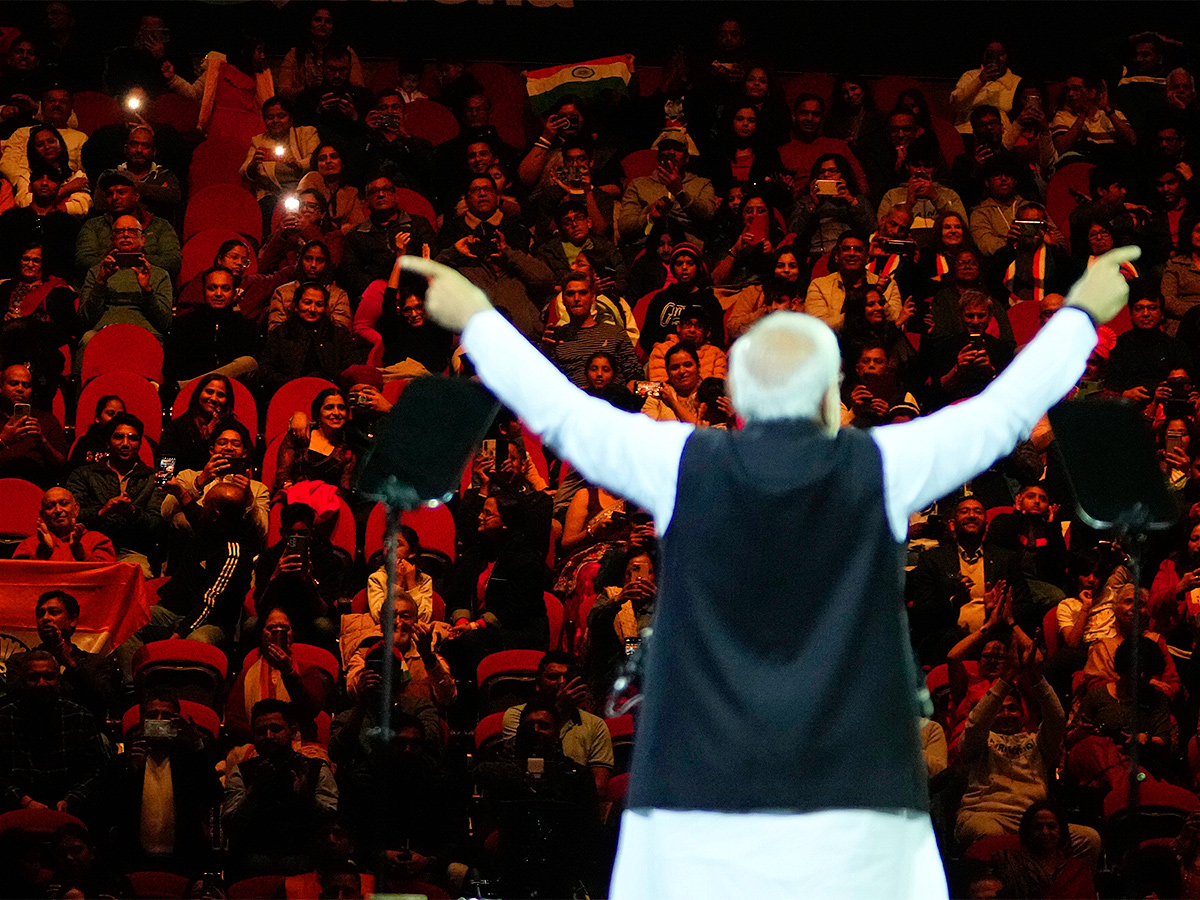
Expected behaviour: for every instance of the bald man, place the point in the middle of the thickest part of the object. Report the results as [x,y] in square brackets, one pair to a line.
[32,443]
[779,748]
[61,536]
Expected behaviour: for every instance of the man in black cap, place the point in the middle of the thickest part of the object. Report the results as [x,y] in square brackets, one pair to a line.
[780,748]
[120,192]
[671,192]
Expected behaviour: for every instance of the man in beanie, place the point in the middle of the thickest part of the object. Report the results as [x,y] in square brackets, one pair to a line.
[95,241]
[671,192]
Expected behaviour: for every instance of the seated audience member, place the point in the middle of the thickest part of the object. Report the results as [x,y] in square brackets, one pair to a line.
[549,857]
[60,536]
[86,678]
[1008,768]
[576,235]
[827,294]
[124,287]
[1033,261]
[992,218]
[274,800]
[213,338]
[987,146]
[118,495]
[139,64]
[51,753]
[1171,593]
[317,450]
[831,205]
[1086,615]
[40,319]
[163,790]
[1046,843]
[584,736]
[229,464]
[962,365]
[370,248]
[1029,532]
[391,146]
[610,305]
[650,270]
[1027,134]
[304,64]
[46,147]
[517,282]
[676,399]
[77,869]
[1181,277]
[784,286]
[479,158]
[32,444]
[92,445]
[885,155]
[314,265]
[304,575]
[1087,124]
[749,257]
[671,192]
[411,582]
[1101,665]
[335,105]
[625,595]
[251,292]
[277,673]
[278,158]
[18,158]
[966,274]
[188,438]
[1143,356]
[866,321]
[602,383]
[809,143]
[40,222]
[21,82]
[579,182]
[692,329]
[412,343]
[570,346]
[949,585]
[98,236]
[689,288]
[306,343]
[371,777]
[329,177]
[362,386]
[157,187]
[923,198]
[873,388]
[417,651]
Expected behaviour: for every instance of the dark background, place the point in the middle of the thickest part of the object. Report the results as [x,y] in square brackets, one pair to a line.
[928,39]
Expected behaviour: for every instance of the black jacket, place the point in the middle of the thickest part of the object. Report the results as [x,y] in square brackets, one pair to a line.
[207,339]
[934,591]
[296,349]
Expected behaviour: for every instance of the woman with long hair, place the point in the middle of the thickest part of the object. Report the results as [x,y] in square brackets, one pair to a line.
[316,449]
[46,148]
[852,114]
[328,176]
[231,89]
[832,205]
[1181,277]
[38,317]
[304,65]
[743,153]
[748,259]
[188,438]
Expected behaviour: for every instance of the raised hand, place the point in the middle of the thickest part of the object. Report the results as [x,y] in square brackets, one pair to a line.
[1102,292]
[451,300]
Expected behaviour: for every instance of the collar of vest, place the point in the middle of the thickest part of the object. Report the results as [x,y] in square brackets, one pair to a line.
[783,427]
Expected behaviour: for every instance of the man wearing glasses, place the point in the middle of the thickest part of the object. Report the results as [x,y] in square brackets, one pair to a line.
[370,249]
[97,237]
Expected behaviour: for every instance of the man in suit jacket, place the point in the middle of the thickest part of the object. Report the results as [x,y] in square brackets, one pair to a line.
[946,588]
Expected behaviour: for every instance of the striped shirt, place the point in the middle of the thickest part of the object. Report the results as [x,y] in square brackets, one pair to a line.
[570,346]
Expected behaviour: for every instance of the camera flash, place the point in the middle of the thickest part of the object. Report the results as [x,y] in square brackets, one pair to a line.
[280,150]
[133,102]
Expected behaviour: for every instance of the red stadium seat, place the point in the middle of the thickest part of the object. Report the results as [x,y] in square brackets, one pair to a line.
[937,677]
[358,603]
[416,204]
[819,83]
[223,206]
[1062,193]
[512,115]
[295,396]
[270,464]
[1121,322]
[996,511]
[305,653]
[987,847]
[1024,318]
[434,526]
[197,671]
[138,395]
[376,530]
[640,163]
[216,161]
[180,113]
[393,389]
[245,409]
[1050,631]
[506,679]
[256,888]
[94,110]
[123,347]
[949,140]
[20,509]
[200,250]
[620,729]
[488,735]
[197,713]
[554,613]
[439,608]
[158,885]
[42,822]
[431,121]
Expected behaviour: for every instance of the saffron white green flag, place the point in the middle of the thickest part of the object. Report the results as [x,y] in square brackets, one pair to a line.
[585,79]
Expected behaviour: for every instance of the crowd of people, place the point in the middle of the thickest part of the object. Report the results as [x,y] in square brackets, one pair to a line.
[632,238]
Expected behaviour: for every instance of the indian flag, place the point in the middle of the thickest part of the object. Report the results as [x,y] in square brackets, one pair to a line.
[585,79]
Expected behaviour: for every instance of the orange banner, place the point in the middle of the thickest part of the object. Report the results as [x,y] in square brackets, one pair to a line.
[113,602]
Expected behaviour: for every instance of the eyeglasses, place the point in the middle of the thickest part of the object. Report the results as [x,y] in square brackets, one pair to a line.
[388,189]
[127,231]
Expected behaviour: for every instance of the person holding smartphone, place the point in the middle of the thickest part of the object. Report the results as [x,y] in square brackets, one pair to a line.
[32,444]
[962,365]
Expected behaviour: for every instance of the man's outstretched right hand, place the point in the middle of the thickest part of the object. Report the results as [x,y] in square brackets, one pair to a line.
[451,299]
[1102,291]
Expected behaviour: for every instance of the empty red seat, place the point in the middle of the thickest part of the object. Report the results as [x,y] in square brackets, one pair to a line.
[196,670]
[1025,320]
[223,206]
[20,509]
[554,613]
[488,732]
[256,888]
[158,885]
[434,525]
[122,347]
[416,204]
[216,161]
[431,121]
[36,821]
[640,163]
[95,110]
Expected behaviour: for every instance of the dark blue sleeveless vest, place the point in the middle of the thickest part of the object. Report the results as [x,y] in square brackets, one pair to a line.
[779,676]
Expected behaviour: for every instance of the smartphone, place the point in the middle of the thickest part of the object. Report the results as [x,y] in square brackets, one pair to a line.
[826,187]
[291,203]
[280,151]
[165,472]
[900,248]
[279,637]
[127,260]
[485,242]
[535,767]
[21,410]
[757,229]
[238,465]
[1174,443]
[1030,227]
[297,545]
[631,645]
[158,729]
[648,388]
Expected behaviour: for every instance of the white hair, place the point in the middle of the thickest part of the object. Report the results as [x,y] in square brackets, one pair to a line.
[786,367]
